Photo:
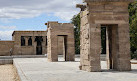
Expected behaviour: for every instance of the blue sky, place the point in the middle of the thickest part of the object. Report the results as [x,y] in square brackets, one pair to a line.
[33,14]
[35,23]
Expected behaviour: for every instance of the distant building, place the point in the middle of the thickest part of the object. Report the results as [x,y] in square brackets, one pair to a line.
[27,43]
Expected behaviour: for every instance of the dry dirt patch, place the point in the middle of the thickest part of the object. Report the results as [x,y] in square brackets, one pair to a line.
[8,73]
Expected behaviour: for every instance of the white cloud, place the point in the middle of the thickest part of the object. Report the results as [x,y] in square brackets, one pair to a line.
[6,32]
[66,15]
[6,35]
[17,9]
[7,27]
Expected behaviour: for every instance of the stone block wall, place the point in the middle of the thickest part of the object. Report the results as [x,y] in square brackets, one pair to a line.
[28,50]
[6,48]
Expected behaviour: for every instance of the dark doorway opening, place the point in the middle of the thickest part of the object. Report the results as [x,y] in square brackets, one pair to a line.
[22,41]
[46,41]
[39,40]
[109,43]
[103,40]
[64,46]
[30,41]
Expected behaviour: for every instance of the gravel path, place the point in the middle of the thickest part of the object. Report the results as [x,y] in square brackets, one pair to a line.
[8,73]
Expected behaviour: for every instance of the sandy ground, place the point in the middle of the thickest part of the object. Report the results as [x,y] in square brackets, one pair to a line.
[8,73]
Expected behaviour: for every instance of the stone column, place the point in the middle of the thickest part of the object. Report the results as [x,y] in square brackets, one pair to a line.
[107,49]
[44,45]
[26,41]
[34,45]
[123,48]
[52,47]
[90,43]
[70,49]
[95,48]
[32,40]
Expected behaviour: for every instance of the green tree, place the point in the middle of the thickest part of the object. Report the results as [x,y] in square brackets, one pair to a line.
[133,28]
[76,21]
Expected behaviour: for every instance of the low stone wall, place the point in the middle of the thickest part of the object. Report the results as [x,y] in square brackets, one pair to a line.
[9,59]
[6,61]
[5,47]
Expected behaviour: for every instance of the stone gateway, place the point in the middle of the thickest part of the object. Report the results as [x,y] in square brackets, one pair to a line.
[56,30]
[112,14]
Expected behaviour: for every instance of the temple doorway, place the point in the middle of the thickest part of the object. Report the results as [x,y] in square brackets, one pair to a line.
[109,44]
[39,40]
[64,46]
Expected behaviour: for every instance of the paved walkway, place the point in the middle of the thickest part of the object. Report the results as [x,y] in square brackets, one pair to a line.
[38,69]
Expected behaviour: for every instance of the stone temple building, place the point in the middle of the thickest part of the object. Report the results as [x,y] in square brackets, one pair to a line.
[28,43]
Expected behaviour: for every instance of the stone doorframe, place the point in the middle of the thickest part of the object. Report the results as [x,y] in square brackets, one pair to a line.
[54,30]
[104,12]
